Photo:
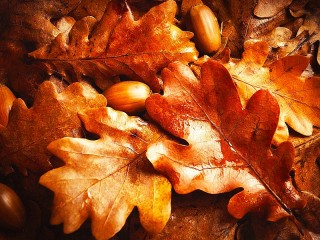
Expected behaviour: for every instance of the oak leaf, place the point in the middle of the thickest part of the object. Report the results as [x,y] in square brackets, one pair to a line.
[286,228]
[265,8]
[311,23]
[23,142]
[298,96]
[29,25]
[119,45]
[197,215]
[226,147]
[310,215]
[105,179]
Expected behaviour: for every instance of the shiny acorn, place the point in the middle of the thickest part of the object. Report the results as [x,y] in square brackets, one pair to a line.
[128,96]
[12,212]
[204,24]
[6,101]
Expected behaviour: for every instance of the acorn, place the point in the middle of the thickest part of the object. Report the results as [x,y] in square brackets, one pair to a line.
[12,211]
[6,101]
[128,96]
[204,24]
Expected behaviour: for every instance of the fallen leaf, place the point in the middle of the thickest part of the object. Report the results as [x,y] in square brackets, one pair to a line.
[282,43]
[278,37]
[29,21]
[89,8]
[312,25]
[53,115]
[105,179]
[310,215]
[258,27]
[298,45]
[31,25]
[307,162]
[226,147]
[119,45]
[197,215]
[255,228]
[266,8]
[297,96]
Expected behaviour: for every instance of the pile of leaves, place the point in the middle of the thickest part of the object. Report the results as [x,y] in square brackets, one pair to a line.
[210,158]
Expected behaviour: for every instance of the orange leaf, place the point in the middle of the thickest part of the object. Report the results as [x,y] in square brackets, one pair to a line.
[53,115]
[298,96]
[105,179]
[226,147]
[119,45]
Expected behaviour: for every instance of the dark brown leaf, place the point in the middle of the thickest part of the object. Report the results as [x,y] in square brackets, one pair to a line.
[119,45]
[266,8]
[24,141]
[310,215]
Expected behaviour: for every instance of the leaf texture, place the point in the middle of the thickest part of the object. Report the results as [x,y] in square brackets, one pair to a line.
[23,142]
[311,24]
[226,147]
[266,8]
[118,45]
[105,179]
[298,96]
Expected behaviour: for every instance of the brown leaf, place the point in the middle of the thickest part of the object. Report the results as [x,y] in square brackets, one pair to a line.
[298,96]
[278,37]
[28,25]
[53,115]
[105,179]
[194,216]
[266,8]
[298,45]
[310,215]
[312,25]
[258,27]
[119,45]
[29,21]
[258,229]
[226,147]
[307,162]
[89,8]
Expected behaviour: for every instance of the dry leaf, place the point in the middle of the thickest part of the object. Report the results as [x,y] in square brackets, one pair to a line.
[307,162]
[197,215]
[26,26]
[30,25]
[298,45]
[267,8]
[278,37]
[226,147]
[258,27]
[298,96]
[53,115]
[105,179]
[119,45]
[310,215]
[312,25]
[258,229]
